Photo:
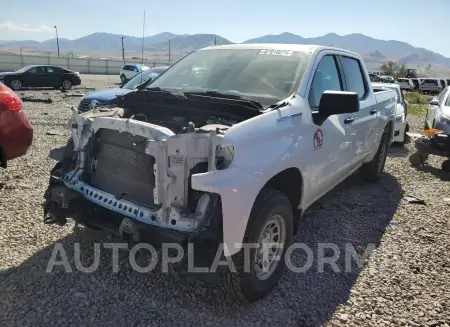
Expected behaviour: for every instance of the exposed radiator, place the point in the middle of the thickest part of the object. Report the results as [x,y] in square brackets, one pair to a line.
[122,167]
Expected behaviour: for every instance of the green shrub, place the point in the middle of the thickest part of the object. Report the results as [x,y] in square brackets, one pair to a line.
[417,98]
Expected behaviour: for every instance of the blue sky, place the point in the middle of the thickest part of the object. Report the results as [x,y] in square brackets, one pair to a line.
[236,20]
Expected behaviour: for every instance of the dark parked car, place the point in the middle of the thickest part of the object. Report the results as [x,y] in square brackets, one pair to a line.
[102,96]
[41,76]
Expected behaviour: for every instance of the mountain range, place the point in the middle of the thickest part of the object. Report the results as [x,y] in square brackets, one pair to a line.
[374,51]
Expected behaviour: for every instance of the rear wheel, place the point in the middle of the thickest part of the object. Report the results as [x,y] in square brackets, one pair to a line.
[372,170]
[15,84]
[270,222]
[123,79]
[66,85]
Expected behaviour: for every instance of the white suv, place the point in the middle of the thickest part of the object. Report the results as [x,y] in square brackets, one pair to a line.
[405,84]
[129,71]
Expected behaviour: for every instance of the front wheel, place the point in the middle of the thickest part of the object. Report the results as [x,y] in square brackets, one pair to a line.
[269,233]
[123,79]
[372,170]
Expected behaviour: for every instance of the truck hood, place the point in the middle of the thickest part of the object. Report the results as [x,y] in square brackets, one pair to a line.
[106,95]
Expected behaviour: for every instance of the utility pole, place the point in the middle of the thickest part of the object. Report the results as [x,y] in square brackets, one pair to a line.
[215,41]
[123,49]
[143,32]
[57,38]
[169,51]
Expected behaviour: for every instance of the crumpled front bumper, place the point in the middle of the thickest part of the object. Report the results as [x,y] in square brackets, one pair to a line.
[238,190]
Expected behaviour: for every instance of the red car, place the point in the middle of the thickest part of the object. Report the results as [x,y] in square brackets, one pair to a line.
[16,133]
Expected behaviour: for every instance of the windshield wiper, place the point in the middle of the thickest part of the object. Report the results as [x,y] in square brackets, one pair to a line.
[161,91]
[219,95]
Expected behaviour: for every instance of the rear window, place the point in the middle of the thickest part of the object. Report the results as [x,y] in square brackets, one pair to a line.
[402,80]
[353,76]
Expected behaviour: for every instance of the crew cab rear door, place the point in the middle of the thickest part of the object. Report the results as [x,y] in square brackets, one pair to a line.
[365,122]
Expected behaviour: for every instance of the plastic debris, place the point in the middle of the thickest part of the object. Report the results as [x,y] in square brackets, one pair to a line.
[414,200]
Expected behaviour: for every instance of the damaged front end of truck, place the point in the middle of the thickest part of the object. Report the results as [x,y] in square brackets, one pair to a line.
[130,171]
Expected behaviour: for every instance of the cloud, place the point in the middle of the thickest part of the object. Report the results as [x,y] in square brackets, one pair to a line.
[14,27]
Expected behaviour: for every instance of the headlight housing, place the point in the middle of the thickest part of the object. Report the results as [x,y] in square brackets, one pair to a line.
[399,118]
[224,156]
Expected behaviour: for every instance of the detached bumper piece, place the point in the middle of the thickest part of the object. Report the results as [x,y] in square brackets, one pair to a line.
[438,145]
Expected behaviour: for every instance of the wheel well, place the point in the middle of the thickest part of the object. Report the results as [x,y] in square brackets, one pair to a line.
[290,183]
[391,129]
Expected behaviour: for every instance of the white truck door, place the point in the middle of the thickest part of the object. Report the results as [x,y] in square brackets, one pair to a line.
[366,120]
[331,141]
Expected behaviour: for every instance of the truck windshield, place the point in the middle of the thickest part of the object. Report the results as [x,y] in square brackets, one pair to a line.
[266,76]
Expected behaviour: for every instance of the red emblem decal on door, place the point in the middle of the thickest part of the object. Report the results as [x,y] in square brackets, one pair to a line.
[318,139]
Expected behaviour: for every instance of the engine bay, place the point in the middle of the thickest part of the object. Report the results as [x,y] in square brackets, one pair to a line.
[185,115]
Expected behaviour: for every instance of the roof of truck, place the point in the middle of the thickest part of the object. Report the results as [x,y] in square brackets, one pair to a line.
[277,46]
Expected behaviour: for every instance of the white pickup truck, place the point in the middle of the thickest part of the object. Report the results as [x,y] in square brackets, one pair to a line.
[225,156]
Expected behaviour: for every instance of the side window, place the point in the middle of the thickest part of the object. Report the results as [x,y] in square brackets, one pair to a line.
[353,76]
[50,70]
[326,78]
[36,70]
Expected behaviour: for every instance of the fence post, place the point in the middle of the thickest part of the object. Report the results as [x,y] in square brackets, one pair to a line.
[48,58]
[68,62]
[107,70]
[21,58]
[154,62]
[89,66]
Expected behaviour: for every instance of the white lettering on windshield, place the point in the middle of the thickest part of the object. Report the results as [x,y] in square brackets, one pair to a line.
[276,52]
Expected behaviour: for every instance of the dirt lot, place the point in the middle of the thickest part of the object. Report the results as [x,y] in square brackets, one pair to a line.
[405,283]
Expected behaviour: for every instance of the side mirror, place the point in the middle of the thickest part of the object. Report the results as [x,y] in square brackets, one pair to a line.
[336,103]
[434,102]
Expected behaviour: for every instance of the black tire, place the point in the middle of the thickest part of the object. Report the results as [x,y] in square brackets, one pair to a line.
[15,84]
[244,284]
[3,163]
[372,170]
[123,79]
[66,85]
[417,159]
[446,166]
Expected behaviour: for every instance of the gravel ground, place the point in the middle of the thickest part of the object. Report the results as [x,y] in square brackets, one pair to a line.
[406,282]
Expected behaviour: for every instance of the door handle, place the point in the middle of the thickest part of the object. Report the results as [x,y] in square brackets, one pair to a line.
[349,120]
[373,111]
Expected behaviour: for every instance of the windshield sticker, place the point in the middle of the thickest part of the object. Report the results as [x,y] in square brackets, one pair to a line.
[318,139]
[286,53]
